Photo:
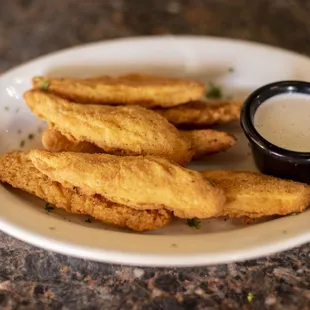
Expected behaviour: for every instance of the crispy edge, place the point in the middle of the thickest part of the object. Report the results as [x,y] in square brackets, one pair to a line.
[207,142]
[54,141]
[17,170]
[256,195]
[203,142]
[199,114]
[132,89]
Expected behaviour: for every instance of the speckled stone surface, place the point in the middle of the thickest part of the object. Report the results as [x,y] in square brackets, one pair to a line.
[31,278]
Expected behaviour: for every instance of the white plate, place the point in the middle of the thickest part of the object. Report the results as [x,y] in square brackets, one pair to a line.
[208,59]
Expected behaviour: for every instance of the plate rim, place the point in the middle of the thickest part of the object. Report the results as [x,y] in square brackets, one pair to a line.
[152,38]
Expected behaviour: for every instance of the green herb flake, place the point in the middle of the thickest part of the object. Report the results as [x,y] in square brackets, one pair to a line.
[49,207]
[293,214]
[22,143]
[45,85]
[88,221]
[250,297]
[30,136]
[6,108]
[195,223]
[231,69]
[214,92]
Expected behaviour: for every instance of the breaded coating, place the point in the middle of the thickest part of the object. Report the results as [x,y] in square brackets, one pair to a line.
[207,142]
[17,170]
[133,89]
[147,182]
[122,130]
[199,114]
[203,142]
[256,195]
[54,141]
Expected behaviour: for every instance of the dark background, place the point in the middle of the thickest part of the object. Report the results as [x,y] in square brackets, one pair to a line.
[29,28]
[31,278]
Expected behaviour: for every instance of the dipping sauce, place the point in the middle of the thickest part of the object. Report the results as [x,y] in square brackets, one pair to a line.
[284,120]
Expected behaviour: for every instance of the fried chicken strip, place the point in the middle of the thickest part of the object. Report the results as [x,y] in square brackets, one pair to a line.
[17,170]
[201,114]
[122,130]
[203,142]
[147,182]
[256,195]
[133,89]
[207,142]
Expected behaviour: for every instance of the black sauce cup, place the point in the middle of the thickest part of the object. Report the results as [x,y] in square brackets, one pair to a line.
[271,159]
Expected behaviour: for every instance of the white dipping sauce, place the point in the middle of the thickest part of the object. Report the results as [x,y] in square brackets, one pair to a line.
[284,120]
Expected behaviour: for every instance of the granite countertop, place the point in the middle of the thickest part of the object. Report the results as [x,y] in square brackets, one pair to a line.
[31,278]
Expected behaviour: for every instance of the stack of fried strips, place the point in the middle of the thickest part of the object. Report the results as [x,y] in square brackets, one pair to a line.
[113,152]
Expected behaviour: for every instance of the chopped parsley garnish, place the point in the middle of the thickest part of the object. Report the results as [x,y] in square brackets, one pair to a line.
[30,136]
[6,108]
[49,207]
[88,221]
[214,92]
[195,223]
[293,214]
[45,85]
[231,69]
[250,297]
[22,143]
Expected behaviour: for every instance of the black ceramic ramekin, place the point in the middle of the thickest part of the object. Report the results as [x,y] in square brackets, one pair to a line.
[271,159]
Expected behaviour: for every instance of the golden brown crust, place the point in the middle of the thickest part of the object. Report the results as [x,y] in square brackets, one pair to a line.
[207,142]
[204,142]
[256,195]
[122,130]
[132,89]
[17,170]
[201,114]
[139,182]
[54,141]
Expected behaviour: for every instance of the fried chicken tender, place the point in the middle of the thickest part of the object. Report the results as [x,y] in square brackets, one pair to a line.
[133,89]
[203,142]
[207,142]
[122,130]
[256,195]
[199,114]
[17,170]
[142,183]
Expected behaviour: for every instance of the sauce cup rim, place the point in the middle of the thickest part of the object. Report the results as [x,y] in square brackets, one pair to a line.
[258,97]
